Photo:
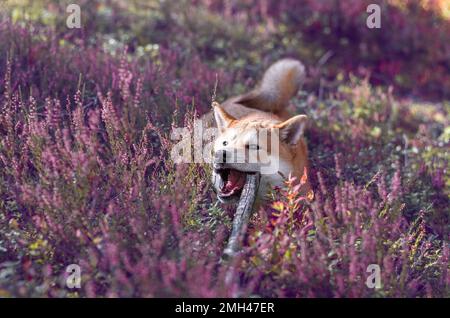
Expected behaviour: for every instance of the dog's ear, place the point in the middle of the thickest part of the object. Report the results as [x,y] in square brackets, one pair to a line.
[223,119]
[292,129]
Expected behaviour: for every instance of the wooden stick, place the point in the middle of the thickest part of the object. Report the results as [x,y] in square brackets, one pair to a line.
[242,215]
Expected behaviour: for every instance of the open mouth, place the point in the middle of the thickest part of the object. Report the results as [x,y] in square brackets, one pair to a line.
[233,182]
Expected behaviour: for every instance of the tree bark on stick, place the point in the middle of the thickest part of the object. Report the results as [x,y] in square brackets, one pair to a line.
[242,215]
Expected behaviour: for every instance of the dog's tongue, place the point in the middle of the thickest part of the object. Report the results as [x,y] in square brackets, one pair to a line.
[236,181]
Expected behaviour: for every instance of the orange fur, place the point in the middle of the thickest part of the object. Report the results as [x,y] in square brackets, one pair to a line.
[265,108]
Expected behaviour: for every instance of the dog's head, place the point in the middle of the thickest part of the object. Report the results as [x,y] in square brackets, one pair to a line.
[252,144]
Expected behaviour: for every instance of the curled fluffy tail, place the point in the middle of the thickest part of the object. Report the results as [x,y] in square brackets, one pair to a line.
[279,84]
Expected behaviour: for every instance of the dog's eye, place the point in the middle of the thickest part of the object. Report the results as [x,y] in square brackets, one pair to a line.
[252,147]
[225,143]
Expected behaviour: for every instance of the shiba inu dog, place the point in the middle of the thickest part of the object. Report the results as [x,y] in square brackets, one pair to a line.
[241,145]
